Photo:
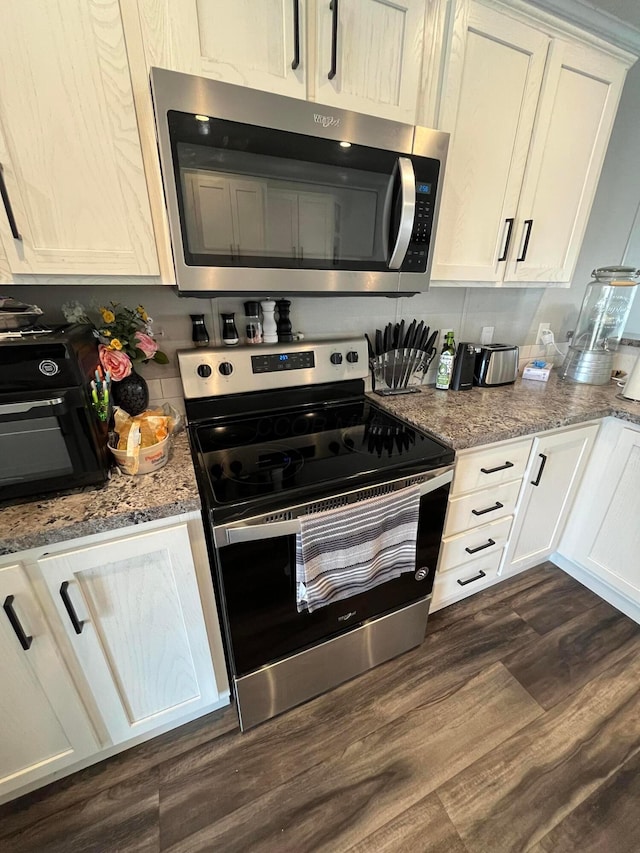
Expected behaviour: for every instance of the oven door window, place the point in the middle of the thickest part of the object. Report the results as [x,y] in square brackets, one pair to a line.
[258,586]
[266,198]
[42,440]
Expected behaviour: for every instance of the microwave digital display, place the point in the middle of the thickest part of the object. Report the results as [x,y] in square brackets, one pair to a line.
[424,188]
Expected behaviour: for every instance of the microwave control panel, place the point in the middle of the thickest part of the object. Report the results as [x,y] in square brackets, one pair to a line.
[418,251]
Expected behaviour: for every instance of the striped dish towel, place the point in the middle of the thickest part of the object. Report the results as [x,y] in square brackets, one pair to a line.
[343,552]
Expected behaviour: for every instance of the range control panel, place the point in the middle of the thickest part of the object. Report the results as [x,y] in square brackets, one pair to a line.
[215,371]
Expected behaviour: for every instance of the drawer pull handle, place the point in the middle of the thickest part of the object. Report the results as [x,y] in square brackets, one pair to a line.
[509,224]
[480,547]
[7,207]
[24,640]
[478,577]
[536,482]
[488,509]
[296,35]
[528,224]
[499,468]
[333,5]
[78,624]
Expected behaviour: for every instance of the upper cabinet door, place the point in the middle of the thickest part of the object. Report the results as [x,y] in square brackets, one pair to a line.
[577,108]
[256,43]
[76,199]
[489,106]
[369,56]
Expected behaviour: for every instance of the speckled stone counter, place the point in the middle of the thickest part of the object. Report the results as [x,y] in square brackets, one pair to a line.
[486,415]
[123,501]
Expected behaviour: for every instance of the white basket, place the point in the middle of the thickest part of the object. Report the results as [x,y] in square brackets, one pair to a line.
[150,459]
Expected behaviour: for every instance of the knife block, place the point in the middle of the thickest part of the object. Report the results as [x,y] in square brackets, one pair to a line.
[397,372]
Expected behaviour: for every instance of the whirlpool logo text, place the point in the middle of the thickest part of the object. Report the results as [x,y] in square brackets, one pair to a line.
[326,121]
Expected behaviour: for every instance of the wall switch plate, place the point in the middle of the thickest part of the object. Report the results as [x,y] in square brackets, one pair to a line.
[541,328]
[486,336]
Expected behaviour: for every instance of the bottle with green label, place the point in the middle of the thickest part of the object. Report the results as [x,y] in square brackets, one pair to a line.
[445,365]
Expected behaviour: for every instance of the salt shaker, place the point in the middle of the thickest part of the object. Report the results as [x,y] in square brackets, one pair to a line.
[229,331]
[199,334]
[254,325]
[269,327]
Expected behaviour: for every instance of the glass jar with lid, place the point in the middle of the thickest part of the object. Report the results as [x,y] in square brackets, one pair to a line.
[603,316]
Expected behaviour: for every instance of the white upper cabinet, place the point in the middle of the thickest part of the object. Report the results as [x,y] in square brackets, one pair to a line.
[255,43]
[530,111]
[76,199]
[369,56]
[577,107]
[489,106]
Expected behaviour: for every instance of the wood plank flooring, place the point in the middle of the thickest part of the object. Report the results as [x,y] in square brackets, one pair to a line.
[514,727]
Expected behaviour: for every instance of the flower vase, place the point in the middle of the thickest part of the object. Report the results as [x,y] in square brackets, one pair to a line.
[131,393]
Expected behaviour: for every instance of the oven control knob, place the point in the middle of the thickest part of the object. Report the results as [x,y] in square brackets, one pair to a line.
[226,368]
[203,370]
[336,358]
[421,574]
[352,357]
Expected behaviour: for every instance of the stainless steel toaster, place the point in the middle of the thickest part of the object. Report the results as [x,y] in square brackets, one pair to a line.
[496,364]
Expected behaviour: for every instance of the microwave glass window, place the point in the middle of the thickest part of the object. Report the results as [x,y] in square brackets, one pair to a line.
[271,198]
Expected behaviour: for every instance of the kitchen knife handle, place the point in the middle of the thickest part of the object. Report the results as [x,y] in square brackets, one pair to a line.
[296,35]
[333,5]
[499,468]
[78,624]
[24,640]
[509,224]
[536,482]
[487,544]
[488,509]
[528,224]
[7,206]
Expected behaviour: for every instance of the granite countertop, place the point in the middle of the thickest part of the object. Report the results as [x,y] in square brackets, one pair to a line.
[122,502]
[485,415]
[460,419]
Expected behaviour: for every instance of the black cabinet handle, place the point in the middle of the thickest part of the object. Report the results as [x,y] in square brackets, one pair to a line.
[333,5]
[499,468]
[480,575]
[536,482]
[488,509]
[7,206]
[528,224]
[78,624]
[503,256]
[24,640]
[480,547]
[296,35]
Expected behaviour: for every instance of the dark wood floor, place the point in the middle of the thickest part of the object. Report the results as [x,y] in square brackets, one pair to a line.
[516,726]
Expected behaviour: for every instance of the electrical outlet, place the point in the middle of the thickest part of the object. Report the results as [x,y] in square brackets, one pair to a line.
[541,329]
[486,337]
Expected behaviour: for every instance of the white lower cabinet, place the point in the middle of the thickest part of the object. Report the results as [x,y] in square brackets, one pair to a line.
[132,612]
[44,726]
[603,533]
[104,641]
[551,481]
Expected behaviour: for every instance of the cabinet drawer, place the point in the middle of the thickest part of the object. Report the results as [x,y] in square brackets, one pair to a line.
[490,466]
[465,580]
[473,544]
[481,507]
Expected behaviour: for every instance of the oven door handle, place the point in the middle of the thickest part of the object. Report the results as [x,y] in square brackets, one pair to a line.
[44,407]
[232,535]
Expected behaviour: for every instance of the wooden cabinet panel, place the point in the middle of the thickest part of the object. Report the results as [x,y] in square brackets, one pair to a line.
[143,645]
[557,464]
[465,580]
[481,507]
[378,57]
[489,105]
[69,143]
[470,545]
[44,725]
[491,465]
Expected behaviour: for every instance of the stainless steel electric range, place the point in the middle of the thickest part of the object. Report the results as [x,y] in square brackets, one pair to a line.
[278,432]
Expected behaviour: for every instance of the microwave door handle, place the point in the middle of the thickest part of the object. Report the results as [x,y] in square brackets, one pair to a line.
[407,212]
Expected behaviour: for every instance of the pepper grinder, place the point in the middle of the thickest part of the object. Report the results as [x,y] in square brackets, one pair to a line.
[229,331]
[285,330]
[199,333]
[269,327]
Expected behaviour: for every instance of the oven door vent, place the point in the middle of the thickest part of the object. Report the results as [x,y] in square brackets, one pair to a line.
[344,500]
[285,515]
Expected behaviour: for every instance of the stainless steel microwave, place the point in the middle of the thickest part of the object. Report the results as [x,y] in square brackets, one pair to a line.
[267,193]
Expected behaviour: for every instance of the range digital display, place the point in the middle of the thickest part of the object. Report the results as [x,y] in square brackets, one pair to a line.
[275,362]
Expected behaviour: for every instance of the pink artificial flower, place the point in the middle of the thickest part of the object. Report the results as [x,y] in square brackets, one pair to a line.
[117,363]
[146,343]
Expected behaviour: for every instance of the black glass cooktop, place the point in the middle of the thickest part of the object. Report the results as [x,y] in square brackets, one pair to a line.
[268,461]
